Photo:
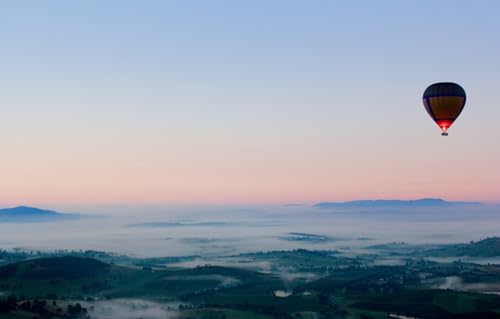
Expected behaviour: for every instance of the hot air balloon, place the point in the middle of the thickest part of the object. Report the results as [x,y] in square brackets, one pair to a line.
[444,102]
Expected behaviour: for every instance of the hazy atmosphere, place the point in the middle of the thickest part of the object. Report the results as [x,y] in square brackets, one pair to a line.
[249,159]
[215,231]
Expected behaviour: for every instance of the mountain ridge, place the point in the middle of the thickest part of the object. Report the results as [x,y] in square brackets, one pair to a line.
[32,214]
[394,203]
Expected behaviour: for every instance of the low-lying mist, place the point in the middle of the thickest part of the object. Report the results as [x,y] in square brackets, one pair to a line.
[215,231]
[130,309]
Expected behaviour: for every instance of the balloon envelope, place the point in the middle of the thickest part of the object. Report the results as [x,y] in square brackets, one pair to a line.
[444,102]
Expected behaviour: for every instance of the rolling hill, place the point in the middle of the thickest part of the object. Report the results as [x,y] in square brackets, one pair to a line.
[489,247]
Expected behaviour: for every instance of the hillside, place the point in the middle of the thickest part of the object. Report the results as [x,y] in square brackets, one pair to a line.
[489,247]
[65,268]
[71,277]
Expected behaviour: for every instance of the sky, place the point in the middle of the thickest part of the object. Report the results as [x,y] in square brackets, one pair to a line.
[224,102]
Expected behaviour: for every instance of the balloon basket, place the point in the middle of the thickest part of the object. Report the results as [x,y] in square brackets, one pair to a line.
[444,134]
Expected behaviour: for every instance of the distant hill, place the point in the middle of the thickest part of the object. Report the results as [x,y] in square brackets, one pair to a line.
[489,247]
[24,214]
[392,203]
[66,268]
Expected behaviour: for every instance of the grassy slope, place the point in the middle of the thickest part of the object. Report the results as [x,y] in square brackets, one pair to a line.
[489,247]
[73,277]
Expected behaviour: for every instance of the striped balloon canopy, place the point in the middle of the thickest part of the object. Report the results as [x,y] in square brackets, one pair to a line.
[444,102]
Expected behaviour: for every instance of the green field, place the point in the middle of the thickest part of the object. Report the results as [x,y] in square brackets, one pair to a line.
[342,287]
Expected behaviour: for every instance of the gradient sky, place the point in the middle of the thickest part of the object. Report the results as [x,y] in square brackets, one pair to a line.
[161,102]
